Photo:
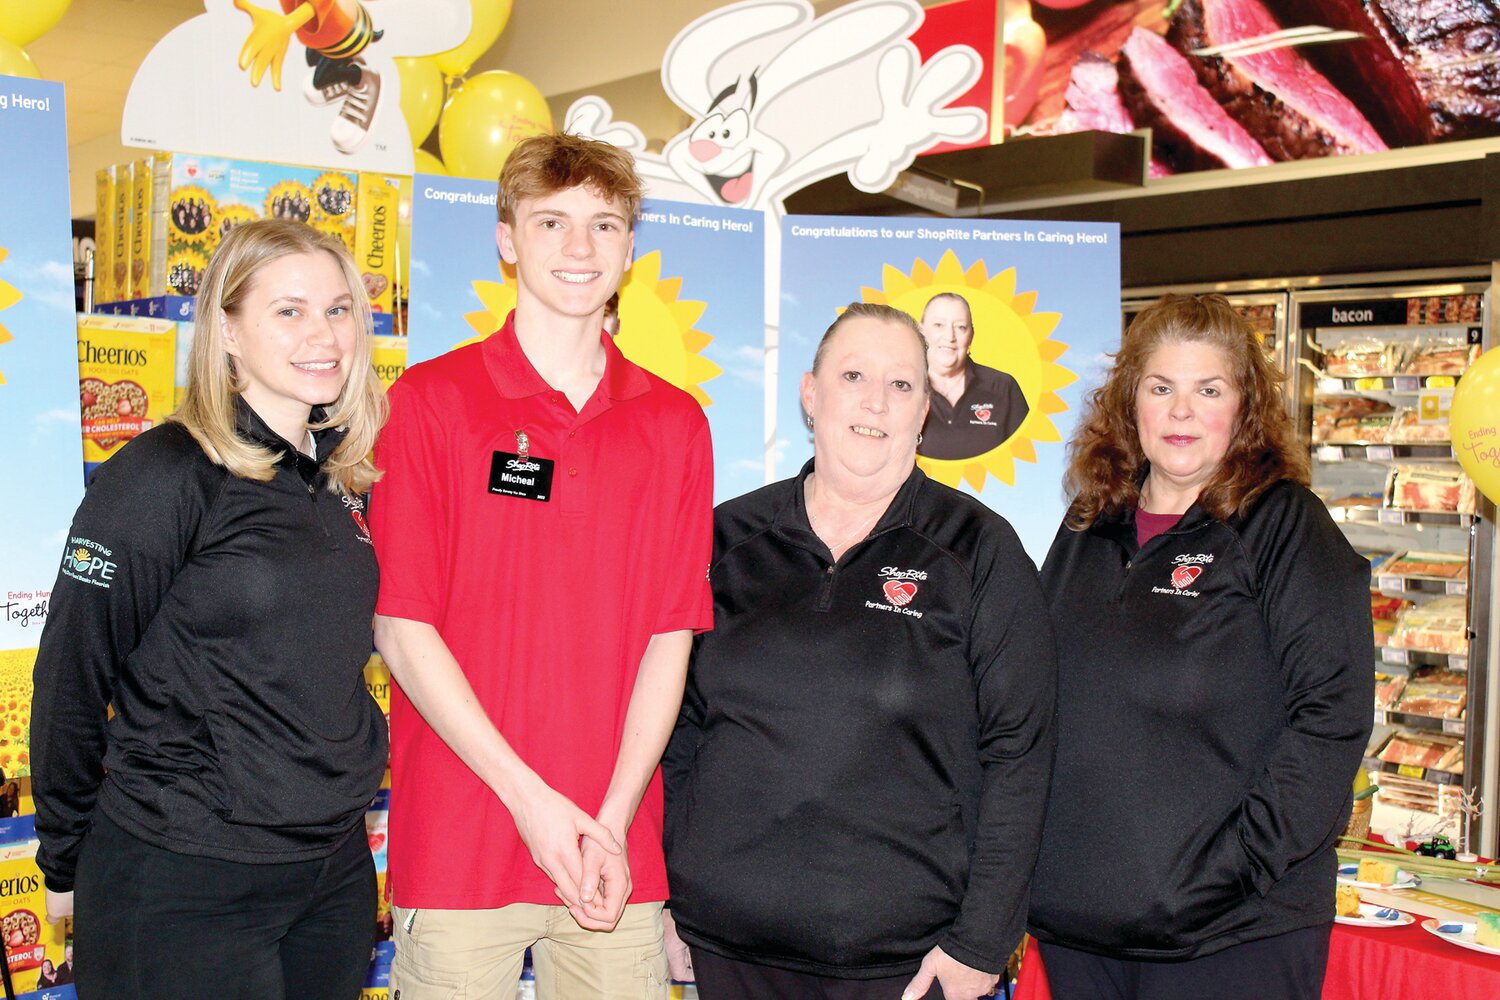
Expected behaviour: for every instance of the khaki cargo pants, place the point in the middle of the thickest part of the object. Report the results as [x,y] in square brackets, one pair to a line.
[477,954]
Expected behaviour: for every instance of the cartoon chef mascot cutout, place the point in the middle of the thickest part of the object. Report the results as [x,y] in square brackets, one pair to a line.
[334,96]
[782,98]
[335,32]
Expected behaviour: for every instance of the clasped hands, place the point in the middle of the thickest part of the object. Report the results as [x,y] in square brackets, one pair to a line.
[583,856]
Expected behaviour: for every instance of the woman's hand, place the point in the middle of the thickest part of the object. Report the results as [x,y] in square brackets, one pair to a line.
[959,982]
[59,905]
[679,958]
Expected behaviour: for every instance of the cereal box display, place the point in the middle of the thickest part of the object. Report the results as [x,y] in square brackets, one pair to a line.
[104,235]
[38,954]
[210,196]
[375,238]
[125,380]
[388,355]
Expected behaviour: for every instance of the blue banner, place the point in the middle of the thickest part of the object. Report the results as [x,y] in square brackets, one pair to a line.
[1044,305]
[41,448]
[691,306]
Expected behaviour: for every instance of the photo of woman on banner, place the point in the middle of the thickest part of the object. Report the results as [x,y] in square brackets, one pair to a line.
[203,744]
[862,612]
[974,408]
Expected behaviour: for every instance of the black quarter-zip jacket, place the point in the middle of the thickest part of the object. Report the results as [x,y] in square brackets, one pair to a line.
[227,623]
[860,767]
[1214,693]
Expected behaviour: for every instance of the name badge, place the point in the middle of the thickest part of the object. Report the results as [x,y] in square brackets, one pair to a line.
[529,478]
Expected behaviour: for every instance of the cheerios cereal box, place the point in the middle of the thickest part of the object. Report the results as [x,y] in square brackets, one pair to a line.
[388,355]
[125,380]
[375,238]
[104,235]
[119,243]
[32,945]
[142,189]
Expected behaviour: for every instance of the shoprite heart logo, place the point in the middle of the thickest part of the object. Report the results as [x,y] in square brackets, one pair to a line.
[900,592]
[982,414]
[1184,575]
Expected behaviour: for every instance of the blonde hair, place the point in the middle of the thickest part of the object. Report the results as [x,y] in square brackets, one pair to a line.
[208,406]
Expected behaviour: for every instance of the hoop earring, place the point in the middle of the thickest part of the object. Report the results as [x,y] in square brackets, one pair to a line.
[919,439]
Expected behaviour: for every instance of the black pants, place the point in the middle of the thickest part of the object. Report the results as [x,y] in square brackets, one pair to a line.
[722,978]
[1285,967]
[154,923]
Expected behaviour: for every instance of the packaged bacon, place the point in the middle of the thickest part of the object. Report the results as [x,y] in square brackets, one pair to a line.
[1430,487]
[1450,355]
[1407,429]
[1439,626]
[1355,357]
[1421,751]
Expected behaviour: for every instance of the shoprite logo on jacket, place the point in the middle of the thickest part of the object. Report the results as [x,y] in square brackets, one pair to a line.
[1185,570]
[900,589]
[88,562]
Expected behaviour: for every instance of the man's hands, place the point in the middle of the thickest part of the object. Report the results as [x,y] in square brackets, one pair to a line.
[551,826]
[604,888]
[959,982]
[59,905]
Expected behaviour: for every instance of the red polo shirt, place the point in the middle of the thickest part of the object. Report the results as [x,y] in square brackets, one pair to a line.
[547,606]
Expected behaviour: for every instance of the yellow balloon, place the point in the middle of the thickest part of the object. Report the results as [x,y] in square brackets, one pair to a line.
[421,96]
[1474,422]
[426,163]
[489,17]
[24,21]
[15,62]
[486,116]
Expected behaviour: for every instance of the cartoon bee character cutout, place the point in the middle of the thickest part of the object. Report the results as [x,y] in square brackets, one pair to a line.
[335,33]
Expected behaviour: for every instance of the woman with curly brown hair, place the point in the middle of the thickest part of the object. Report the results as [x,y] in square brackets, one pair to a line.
[1214,681]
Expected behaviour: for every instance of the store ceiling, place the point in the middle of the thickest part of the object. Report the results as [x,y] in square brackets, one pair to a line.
[562,46]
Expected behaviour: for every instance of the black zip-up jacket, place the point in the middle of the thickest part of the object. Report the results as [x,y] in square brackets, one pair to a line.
[1214,693]
[860,767]
[227,622]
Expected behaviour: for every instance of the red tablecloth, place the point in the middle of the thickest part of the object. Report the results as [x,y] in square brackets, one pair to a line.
[1364,964]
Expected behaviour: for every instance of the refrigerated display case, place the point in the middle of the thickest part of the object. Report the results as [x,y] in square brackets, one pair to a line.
[1377,367]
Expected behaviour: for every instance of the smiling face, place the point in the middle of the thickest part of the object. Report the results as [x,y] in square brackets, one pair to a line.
[570,249]
[867,401]
[1186,408]
[292,338]
[948,329]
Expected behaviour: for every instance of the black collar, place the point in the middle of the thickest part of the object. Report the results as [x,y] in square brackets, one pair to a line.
[249,425]
[792,523]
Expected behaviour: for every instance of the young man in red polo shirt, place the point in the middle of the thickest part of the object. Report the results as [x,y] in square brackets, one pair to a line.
[543,529]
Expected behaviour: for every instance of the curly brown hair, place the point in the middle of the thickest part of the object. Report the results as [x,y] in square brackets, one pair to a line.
[1105,462]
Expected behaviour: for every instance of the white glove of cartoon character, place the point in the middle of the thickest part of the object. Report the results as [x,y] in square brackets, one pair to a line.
[592,118]
[913,115]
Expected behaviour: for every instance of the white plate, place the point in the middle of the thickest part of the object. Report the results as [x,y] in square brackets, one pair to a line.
[1373,915]
[1456,932]
[1408,880]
